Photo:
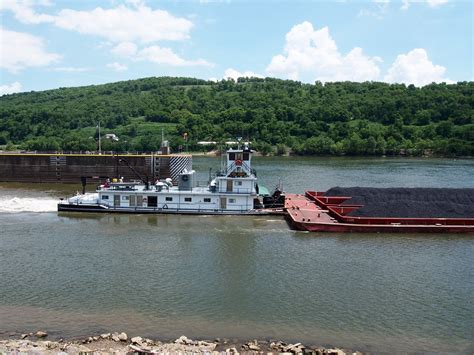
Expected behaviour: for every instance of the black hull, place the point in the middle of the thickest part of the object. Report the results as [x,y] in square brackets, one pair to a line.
[99,208]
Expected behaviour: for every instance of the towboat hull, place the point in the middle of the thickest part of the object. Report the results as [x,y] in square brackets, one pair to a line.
[97,208]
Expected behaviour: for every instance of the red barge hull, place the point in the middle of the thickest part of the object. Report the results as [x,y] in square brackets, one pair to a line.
[315,212]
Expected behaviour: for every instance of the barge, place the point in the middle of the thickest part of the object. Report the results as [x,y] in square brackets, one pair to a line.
[316,212]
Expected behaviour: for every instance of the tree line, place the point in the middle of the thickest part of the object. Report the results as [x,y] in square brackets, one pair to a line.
[278,116]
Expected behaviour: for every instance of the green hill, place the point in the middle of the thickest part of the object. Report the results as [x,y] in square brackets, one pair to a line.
[369,118]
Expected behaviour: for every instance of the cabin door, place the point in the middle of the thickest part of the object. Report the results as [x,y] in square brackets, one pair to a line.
[152,201]
[116,200]
[229,185]
[139,201]
[223,203]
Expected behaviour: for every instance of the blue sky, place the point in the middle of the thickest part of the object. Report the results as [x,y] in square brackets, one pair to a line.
[47,44]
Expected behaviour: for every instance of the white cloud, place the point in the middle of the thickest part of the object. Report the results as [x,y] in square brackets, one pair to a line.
[432,3]
[125,49]
[155,54]
[124,27]
[378,10]
[234,74]
[10,89]
[313,55]
[436,3]
[24,12]
[415,68]
[19,50]
[117,66]
[125,24]
[159,55]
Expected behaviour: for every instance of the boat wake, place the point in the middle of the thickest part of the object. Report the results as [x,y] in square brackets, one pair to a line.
[27,204]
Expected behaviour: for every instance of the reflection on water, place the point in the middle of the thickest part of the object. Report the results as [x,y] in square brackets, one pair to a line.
[227,276]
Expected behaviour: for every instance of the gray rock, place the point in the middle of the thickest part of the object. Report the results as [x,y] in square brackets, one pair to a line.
[253,347]
[123,336]
[208,345]
[105,335]
[183,340]
[115,337]
[137,340]
[41,334]
[136,348]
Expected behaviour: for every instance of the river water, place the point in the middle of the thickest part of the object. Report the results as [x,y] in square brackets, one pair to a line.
[241,277]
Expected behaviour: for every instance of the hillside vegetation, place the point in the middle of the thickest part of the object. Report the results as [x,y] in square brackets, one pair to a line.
[340,118]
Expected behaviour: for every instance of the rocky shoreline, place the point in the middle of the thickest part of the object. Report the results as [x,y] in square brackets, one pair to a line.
[121,343]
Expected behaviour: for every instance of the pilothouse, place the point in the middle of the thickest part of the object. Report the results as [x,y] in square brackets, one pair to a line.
[234,190]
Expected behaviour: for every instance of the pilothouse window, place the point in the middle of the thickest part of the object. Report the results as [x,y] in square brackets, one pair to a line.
[105,197]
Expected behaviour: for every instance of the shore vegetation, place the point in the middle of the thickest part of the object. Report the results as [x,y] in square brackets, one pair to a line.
[277,116]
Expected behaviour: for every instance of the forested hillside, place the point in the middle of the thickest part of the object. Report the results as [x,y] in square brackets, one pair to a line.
[335,118]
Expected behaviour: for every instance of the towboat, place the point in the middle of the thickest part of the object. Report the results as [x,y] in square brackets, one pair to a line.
[234,190]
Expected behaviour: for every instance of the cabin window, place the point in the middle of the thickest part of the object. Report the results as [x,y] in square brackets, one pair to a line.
[231,200]
[238,183]
[124,198]
[169,199]
[231,156]
[207,199]
[105,197]
[132,201]
[188,199]
[246,156]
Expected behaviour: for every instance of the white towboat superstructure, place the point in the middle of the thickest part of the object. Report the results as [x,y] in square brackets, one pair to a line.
[232,191]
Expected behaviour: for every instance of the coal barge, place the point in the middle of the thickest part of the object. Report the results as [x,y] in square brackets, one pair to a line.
[389,210]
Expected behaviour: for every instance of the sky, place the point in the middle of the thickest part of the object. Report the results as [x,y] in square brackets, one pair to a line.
[47,44]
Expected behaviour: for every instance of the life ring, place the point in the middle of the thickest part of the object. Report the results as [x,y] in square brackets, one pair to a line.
[238,162]
[184,177]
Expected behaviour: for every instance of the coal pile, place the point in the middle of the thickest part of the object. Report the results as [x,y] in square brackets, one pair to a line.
[408,202]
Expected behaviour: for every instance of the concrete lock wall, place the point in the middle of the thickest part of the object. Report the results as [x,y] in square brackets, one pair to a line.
[68,168]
